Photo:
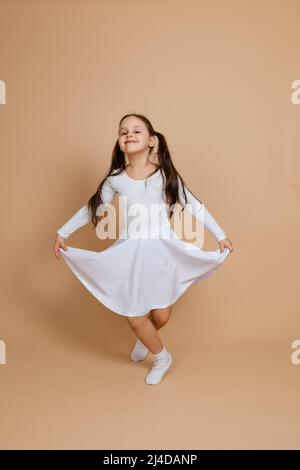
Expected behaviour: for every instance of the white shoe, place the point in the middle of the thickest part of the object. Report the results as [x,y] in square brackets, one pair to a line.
[158,370]
[139,351]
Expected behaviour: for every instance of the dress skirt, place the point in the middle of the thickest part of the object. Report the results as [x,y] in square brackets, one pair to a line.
[135,275]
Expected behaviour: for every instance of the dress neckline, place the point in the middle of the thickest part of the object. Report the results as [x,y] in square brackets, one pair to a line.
[140,180]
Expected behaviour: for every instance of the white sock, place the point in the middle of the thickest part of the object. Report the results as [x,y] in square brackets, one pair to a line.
[163,354]
[139,343]
[139,352]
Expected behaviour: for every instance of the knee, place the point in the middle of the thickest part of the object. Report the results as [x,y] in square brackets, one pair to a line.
[160,321]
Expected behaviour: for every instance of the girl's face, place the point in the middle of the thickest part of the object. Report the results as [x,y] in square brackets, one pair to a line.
[134,137]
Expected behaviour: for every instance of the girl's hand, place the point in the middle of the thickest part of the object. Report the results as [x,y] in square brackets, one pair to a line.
[225,243]
[59,242]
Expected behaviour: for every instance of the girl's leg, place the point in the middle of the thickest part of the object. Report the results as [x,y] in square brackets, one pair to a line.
[160,316]
[146,332]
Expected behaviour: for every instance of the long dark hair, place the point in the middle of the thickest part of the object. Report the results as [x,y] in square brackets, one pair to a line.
[165,166]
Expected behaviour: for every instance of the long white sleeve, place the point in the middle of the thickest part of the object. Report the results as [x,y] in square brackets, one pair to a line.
[81,217]
[201,213]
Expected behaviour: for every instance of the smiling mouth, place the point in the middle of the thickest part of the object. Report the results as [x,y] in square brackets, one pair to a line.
[130,142]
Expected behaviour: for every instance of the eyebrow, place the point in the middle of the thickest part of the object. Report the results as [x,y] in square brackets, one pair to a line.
[126,127]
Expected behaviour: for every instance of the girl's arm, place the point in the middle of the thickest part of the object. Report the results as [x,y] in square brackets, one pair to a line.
[81,217]
[198,209]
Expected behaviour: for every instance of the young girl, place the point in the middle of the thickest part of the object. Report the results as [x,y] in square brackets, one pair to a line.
[141,277]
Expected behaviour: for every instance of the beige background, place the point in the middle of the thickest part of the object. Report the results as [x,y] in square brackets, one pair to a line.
[215,78]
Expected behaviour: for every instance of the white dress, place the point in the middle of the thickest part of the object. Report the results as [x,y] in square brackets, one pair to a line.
[150,270]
